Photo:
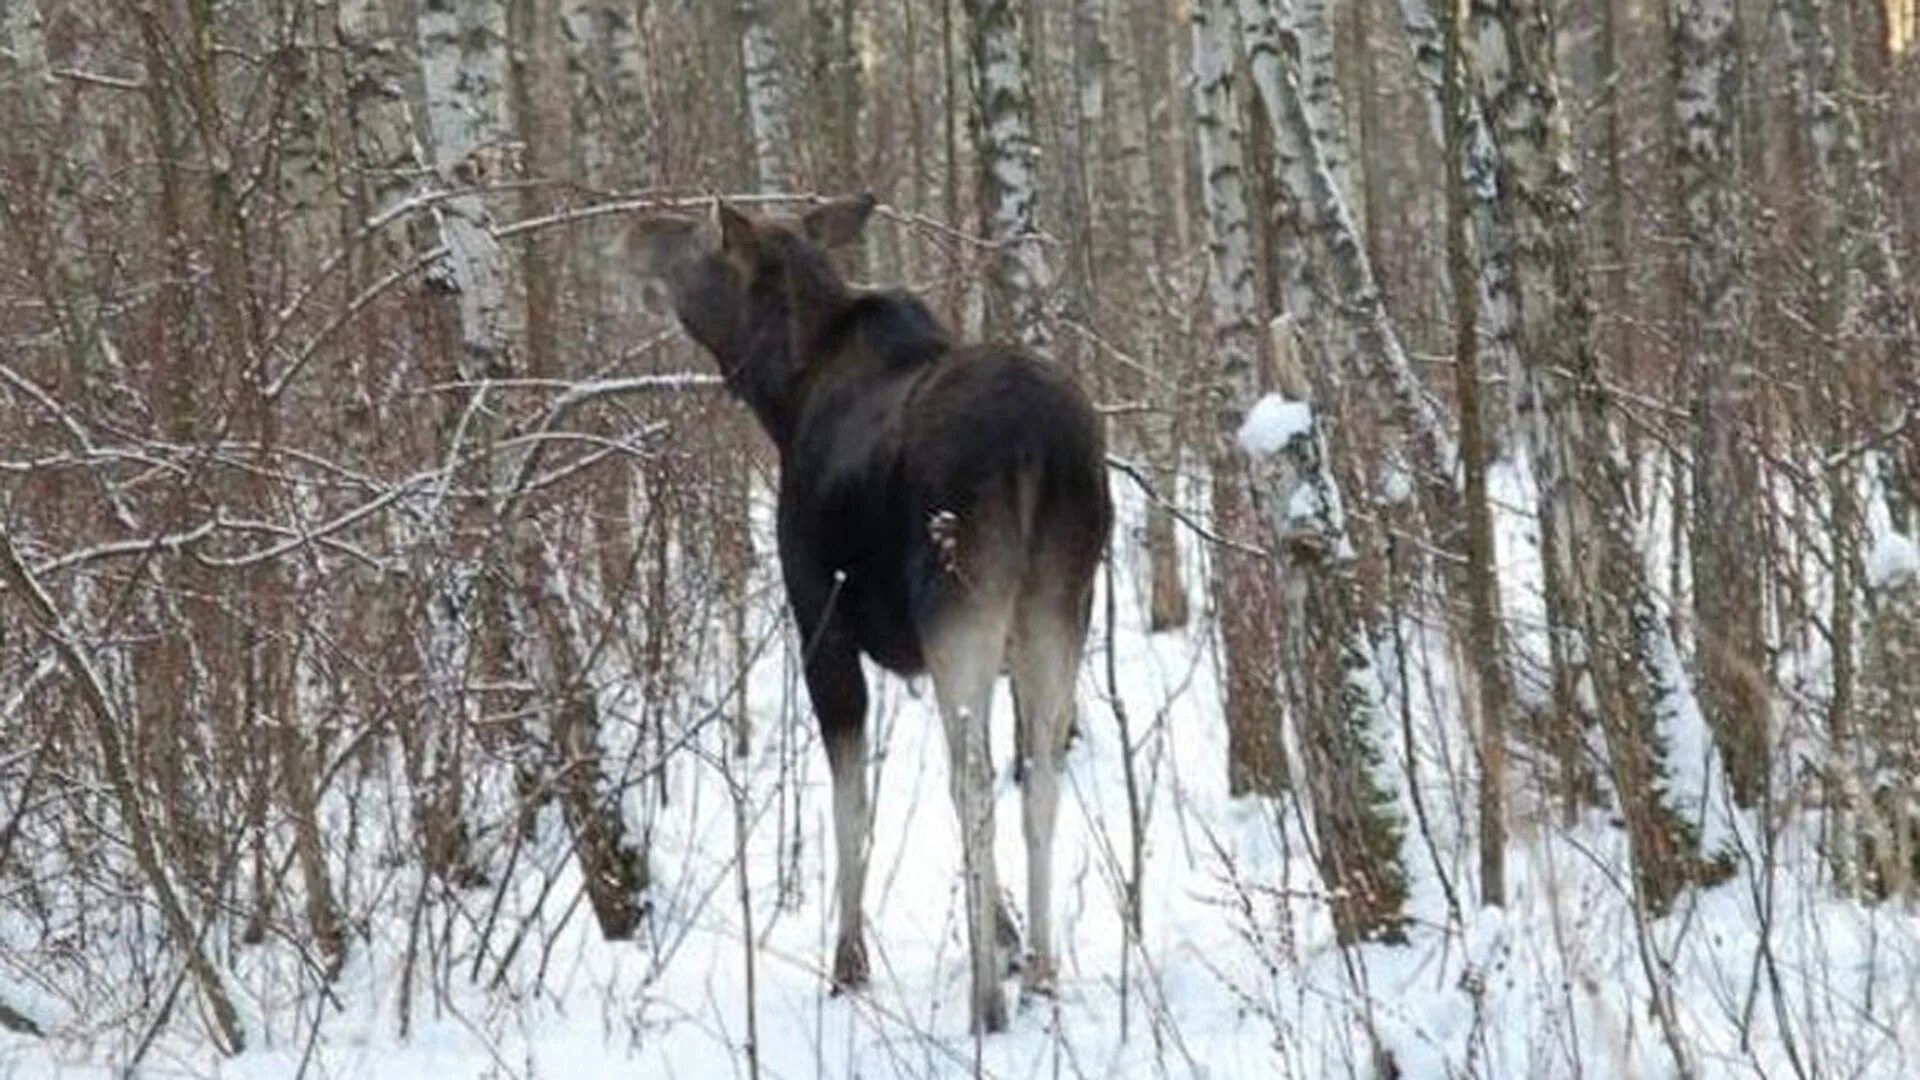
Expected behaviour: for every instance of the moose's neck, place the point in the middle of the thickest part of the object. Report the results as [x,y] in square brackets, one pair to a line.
[791,336]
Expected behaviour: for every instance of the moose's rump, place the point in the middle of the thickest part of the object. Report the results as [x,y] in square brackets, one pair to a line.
[1002,483]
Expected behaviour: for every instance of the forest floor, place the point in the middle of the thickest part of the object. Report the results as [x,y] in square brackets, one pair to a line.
[1237,972]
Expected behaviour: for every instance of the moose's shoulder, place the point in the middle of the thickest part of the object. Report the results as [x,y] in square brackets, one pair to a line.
[895,327]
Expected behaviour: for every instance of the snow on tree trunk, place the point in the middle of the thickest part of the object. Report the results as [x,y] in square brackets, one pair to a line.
[1255,759]
[767,98]
[1729,646]
[1003,106]
[1343,729]
[1664,762]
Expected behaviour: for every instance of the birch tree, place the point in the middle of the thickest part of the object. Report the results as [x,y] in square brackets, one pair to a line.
[768,100]
[1490,238]
[1255,761]
[1373,344]
[1314,27]
[1009,196]
[1334,697]
[1857,283]
[1662,759]
[463,68]
[1729,642]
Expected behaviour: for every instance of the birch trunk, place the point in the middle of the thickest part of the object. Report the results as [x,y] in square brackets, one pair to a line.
[1003,104]
[463,66]
[1663,761]
[1729,646]
[1490,237]
[1857,289]
[1334,691]
[1314,27]
[1373,346]
[1255,761]
[557,653]
[612,145]
[767,97]
[381,130]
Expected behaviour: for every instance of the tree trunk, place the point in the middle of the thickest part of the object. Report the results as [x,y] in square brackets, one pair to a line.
[767,97]
[1491,235]
[1489,694]
[1851,237]
[1663,762]
[1003,117]
[1142,224]
[1334,691]
[1372,345]
[1729,647]
[1255,760]
[464,69]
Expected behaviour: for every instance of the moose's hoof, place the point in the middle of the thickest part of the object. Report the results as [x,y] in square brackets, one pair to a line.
[849,966]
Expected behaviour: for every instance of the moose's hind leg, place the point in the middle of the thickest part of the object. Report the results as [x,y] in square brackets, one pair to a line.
[964,650]
[1048,638]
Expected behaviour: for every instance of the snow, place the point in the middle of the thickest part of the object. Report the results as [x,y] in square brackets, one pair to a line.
[1237,973]
[1272,423]
[1894,561]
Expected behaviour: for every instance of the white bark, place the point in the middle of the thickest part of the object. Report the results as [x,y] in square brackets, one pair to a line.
[767,97]
[1314,24]
[1625,645]
[1337,700]
[1382,355]
[1726,527]
[464,63]
[1361,803]
[380,121]
[1498,315]
[1005,113]
[1229,238]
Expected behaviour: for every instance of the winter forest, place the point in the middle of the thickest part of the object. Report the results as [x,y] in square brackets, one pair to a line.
[1506,662]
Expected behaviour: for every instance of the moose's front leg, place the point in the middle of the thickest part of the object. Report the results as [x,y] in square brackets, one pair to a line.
[838,690]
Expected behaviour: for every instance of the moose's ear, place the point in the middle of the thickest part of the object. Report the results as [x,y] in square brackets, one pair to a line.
[738,235]
[664,242]
[832,224]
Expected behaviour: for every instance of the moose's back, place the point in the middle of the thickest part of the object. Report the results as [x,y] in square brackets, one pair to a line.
[923,471]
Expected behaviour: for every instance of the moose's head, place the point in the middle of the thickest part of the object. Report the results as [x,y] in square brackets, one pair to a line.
[754,292]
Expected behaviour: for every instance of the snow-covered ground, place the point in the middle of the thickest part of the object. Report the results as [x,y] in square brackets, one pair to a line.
[1237,973]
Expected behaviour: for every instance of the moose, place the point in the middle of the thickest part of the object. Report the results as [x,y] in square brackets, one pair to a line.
[942,508]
